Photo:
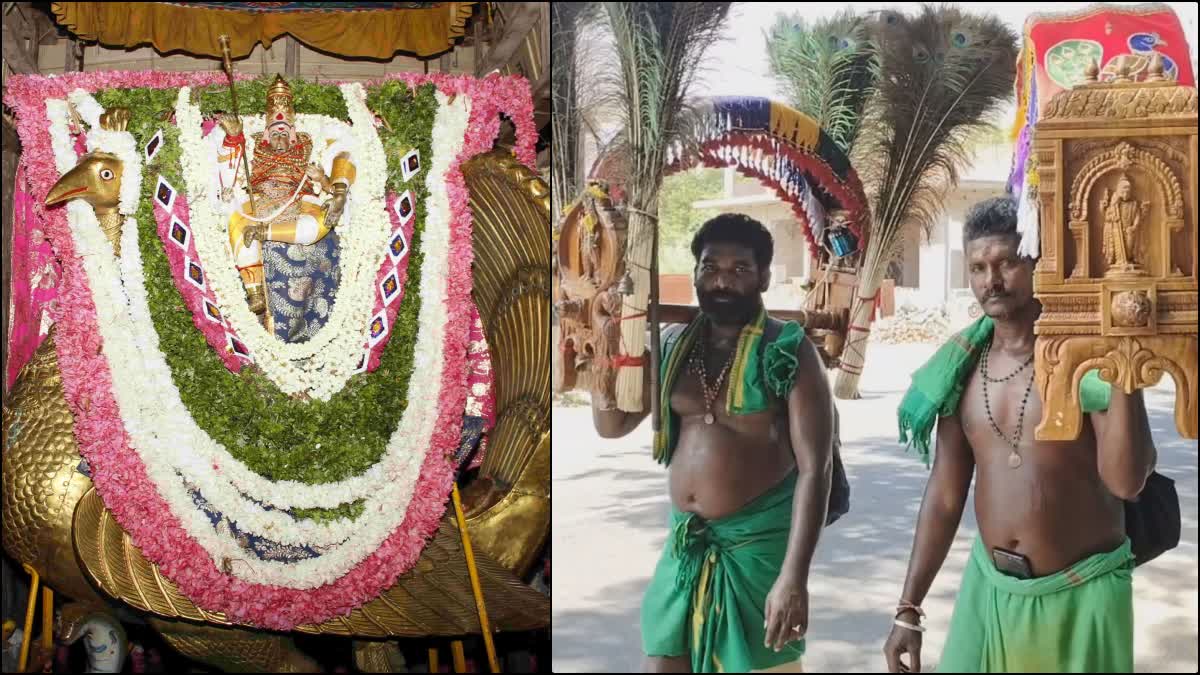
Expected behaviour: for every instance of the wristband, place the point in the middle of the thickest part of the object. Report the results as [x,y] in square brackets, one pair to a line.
[905,624]
[904,605]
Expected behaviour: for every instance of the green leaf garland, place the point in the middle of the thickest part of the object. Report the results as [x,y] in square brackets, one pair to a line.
[279,437]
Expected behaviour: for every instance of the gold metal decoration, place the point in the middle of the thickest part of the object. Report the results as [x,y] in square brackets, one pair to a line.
[96,179]
[1117,279]
[235,650]
[42,480]
[433,598]
[54,521]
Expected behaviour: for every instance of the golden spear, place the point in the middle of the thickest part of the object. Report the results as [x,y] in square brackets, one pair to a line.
[228,62]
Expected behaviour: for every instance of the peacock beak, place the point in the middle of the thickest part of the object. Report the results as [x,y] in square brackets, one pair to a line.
[74,183]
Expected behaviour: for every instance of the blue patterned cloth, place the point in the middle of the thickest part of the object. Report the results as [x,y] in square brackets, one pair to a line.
[301,284]
[259,547]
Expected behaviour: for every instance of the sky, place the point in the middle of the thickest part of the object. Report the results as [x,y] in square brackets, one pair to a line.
[737,66]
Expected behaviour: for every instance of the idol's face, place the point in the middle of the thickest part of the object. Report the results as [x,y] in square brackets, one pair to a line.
[279,137]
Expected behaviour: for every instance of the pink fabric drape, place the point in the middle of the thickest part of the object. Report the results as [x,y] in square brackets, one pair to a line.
[35,275]
[481,394]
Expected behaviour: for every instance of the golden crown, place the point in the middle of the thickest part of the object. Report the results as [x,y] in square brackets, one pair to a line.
[279,102]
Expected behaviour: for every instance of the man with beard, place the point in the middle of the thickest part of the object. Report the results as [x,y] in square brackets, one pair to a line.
[1048,585]
[747,434]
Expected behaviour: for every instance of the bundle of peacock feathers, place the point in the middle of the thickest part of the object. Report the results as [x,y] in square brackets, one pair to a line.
[565,114]
[658,48]
[930,83]
[826,69]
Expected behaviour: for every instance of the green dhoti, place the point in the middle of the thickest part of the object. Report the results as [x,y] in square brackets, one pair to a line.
[709,591]
[1078,620]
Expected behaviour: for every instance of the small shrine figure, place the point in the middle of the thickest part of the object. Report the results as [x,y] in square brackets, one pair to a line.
[1123,216]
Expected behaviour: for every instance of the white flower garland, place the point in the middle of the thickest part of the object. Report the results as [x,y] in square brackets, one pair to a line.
[163,430]
[321,366]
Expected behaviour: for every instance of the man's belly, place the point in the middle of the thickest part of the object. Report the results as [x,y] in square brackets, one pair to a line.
[1052,517]
[715,470]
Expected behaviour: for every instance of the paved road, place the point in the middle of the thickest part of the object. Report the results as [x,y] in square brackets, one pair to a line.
[610,511]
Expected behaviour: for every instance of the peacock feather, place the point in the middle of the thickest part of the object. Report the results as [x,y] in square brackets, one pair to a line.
[826,69]
[565,20]
[939,76]
[933,80]
[659,47]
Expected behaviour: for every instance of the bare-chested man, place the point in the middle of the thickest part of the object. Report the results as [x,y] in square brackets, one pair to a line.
[1048,585]
[747,434]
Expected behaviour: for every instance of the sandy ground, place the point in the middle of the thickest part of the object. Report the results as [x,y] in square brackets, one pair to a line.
[610,514]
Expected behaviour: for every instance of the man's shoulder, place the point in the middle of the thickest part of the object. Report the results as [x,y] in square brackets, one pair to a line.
[788,331]
[671,331]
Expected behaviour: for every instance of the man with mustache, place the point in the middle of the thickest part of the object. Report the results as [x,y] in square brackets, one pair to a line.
[1047,587]
[748,434]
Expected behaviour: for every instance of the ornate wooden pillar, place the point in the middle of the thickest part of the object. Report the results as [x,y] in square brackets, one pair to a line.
[1117,278]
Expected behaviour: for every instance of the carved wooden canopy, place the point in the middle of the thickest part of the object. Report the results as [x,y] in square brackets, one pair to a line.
[1118,277]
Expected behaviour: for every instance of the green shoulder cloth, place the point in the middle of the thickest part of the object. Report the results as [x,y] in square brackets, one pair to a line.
[758,371]
[938,385]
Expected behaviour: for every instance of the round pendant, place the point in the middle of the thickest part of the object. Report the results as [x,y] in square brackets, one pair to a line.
[1014,460]
[709,419]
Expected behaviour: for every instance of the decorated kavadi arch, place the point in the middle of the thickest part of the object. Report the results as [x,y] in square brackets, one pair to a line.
[760,138]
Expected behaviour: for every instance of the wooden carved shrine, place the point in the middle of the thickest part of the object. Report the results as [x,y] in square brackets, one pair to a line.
[588,286]
[1117,276]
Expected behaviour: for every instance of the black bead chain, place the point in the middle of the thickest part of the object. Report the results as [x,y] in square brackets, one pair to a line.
[987,348]
[1024,400]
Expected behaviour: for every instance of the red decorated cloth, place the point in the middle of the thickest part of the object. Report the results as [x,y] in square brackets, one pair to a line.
[1063,45]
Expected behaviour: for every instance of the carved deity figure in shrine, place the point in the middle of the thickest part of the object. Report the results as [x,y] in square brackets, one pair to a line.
[1123,220]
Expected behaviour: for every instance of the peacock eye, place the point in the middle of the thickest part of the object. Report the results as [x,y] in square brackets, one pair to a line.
[959,39]
[106,174]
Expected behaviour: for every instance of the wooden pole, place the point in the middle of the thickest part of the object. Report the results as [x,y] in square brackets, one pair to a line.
[291,58]
[74,61]
[484,626]
[47,619]
[655,336]
[809,319]
[15,55]
[458,656]
[516,29]
[27,638]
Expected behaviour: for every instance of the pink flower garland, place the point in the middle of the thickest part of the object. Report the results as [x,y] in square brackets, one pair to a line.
[118,473]
[31,256]
[386,268]
[481,396]
[214,332]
